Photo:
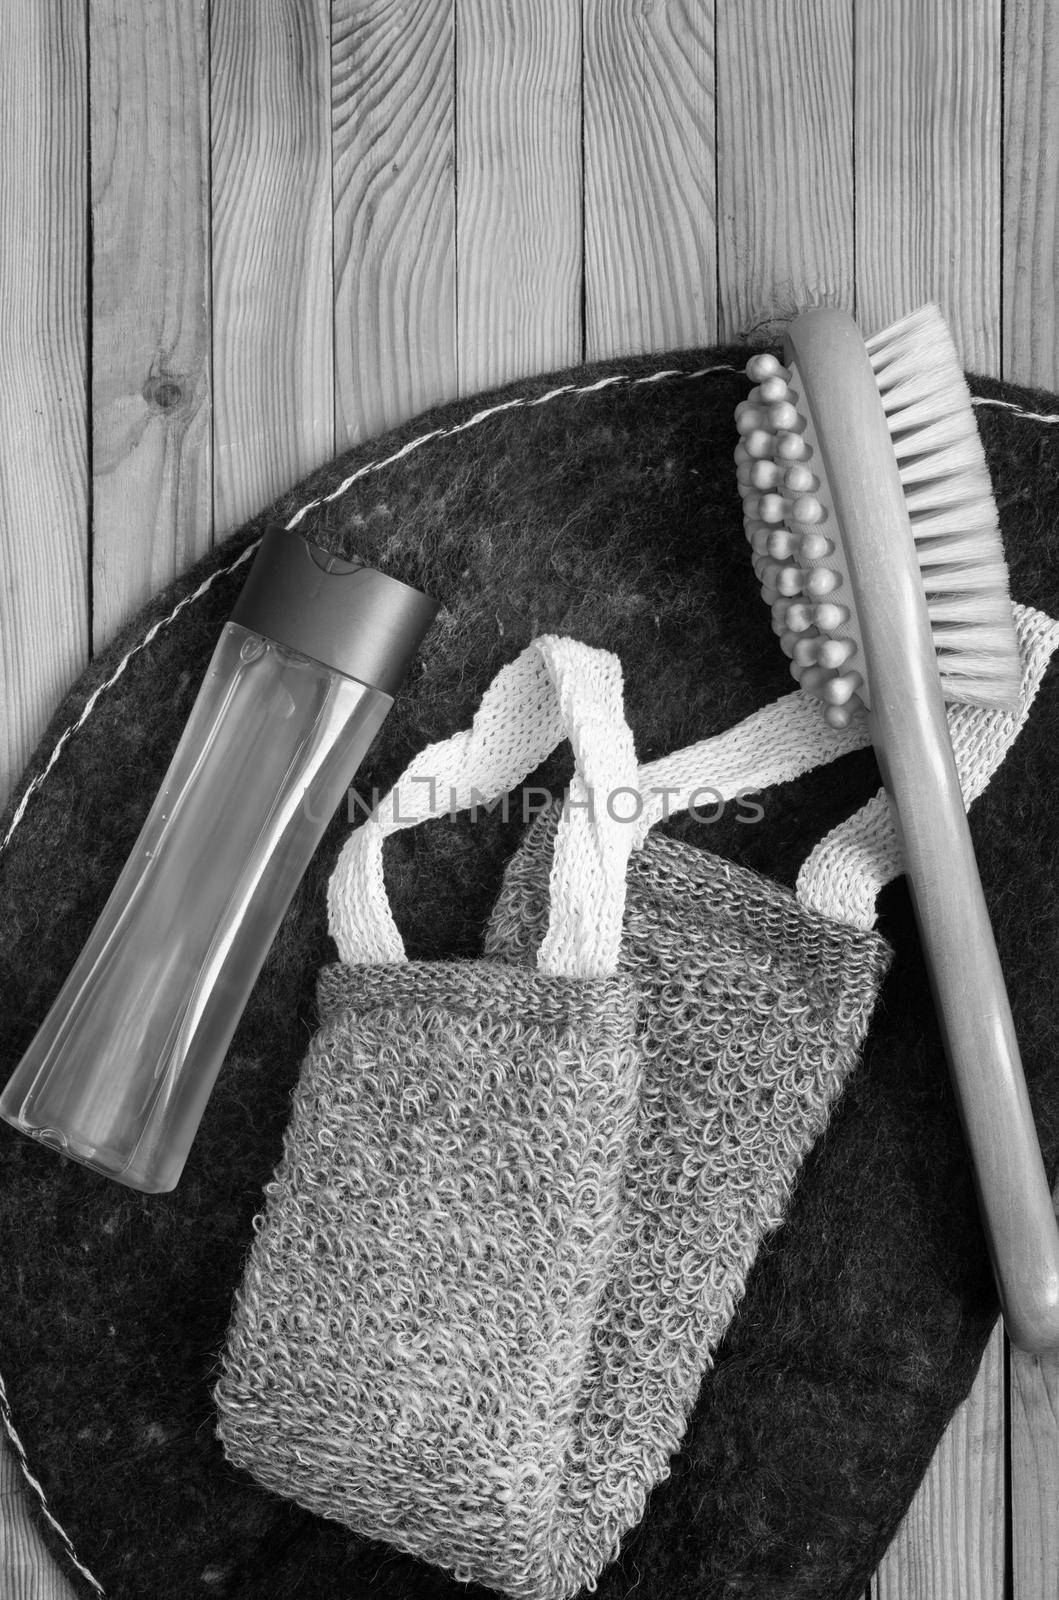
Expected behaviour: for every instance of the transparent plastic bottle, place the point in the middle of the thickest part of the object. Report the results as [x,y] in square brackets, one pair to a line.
[119,1074]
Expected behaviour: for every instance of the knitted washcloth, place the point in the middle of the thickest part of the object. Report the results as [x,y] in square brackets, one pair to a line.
[753,1012]
[408,1347]
[503,1242]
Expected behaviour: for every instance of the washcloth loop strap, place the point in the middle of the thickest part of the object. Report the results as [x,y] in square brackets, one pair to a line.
[560,688]
[557,688]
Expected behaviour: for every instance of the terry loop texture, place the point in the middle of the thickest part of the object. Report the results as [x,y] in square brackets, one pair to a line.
[495,1262]
[409,1346]
[846,871]
[753,1010]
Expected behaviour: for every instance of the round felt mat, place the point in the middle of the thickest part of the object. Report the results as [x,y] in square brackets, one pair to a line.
[599,503]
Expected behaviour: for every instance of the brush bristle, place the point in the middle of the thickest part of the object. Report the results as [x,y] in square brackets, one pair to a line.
[949,500]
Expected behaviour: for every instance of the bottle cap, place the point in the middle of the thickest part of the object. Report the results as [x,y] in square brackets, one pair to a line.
[346,615]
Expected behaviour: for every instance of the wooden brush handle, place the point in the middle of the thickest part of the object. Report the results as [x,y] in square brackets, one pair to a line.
[971,1000]
[911,737]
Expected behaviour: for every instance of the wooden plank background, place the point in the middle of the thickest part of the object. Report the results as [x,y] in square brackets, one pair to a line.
[236,234]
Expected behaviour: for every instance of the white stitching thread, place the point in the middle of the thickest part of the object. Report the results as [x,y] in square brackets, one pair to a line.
[491,411]
[27,1473]
[1009,405]
[90,703]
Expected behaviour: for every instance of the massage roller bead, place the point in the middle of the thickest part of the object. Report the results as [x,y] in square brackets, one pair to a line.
[764,474]
[815,546]
[799,616]
[800,479]
[829,616]
[807,508]
[839,691]
[792,447]
[807,649]
[759,444]
[786,418]
[789,579]
[820,582]
[739,454]
[774,390]
[839,716]
[772,508]
[836,652]
[782,543]
[750,418]
[763,366]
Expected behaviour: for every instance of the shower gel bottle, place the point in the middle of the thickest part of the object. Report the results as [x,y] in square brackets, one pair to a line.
[301,679]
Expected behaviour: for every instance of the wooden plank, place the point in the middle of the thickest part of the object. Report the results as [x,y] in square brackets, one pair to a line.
[44,625]
[151,480]
[1031,355]
[1035,1476]
[951,1543]
[27,1571]
[650,202]
[1031,193]
[928,166]
[785,161]
[518,175]
[1034,1429]
[43,466]
[273,324]
[394,137]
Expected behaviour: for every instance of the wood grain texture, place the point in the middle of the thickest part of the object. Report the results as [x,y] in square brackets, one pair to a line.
[27,1571]
[784,162]
[1034,1402]
[273,324]
[1031,355]
[928,164]
[150,322]
[44,625]
[394,138]
[518,184]
[43,424]
[650,203]
[951,1543]
[1031,195]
